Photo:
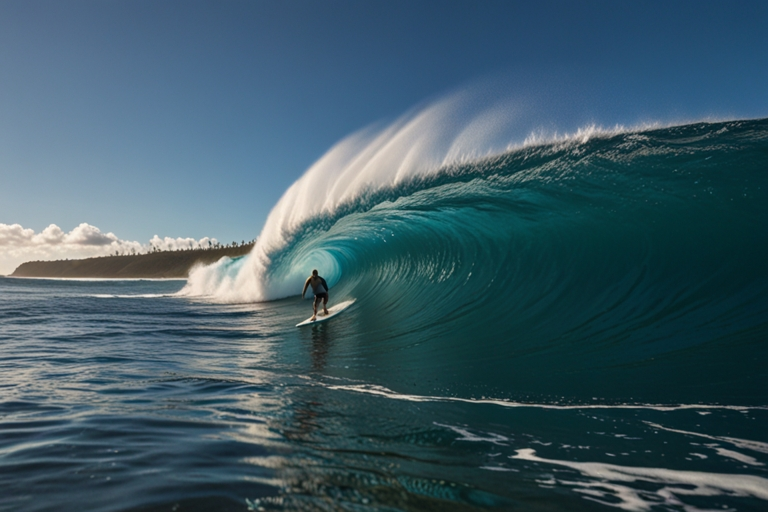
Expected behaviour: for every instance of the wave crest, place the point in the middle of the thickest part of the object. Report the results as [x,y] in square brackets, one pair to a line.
[440,142]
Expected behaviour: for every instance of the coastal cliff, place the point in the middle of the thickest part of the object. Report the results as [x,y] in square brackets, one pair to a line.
[156,265]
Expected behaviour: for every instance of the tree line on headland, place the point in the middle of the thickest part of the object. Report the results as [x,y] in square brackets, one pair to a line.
[156,263]
[210,246]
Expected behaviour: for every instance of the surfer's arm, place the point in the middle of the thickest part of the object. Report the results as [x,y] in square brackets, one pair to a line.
[306,284]
[325,285]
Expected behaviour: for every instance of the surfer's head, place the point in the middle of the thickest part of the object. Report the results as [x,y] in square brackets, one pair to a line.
[314,272]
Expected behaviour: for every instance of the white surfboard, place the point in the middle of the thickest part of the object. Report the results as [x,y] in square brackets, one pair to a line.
[332,312]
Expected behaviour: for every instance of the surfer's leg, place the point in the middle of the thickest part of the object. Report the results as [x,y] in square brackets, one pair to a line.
[325,302]
[314,307]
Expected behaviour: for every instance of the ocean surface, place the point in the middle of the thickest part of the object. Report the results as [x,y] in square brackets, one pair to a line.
[579,324]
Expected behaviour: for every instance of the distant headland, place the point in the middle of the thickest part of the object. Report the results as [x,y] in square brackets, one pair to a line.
[157,264]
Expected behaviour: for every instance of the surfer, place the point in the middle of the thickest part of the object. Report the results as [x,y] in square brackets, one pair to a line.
[320,289]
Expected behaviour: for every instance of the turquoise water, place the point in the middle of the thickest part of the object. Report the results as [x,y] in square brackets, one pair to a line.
[579,325]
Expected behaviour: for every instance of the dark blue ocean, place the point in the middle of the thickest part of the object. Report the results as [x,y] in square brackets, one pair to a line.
[576,325]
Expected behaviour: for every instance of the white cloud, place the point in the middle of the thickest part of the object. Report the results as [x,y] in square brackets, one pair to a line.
[50,235]
[87,235]
[19,244]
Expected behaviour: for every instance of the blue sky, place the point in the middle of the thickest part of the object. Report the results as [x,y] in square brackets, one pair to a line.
[191,118]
